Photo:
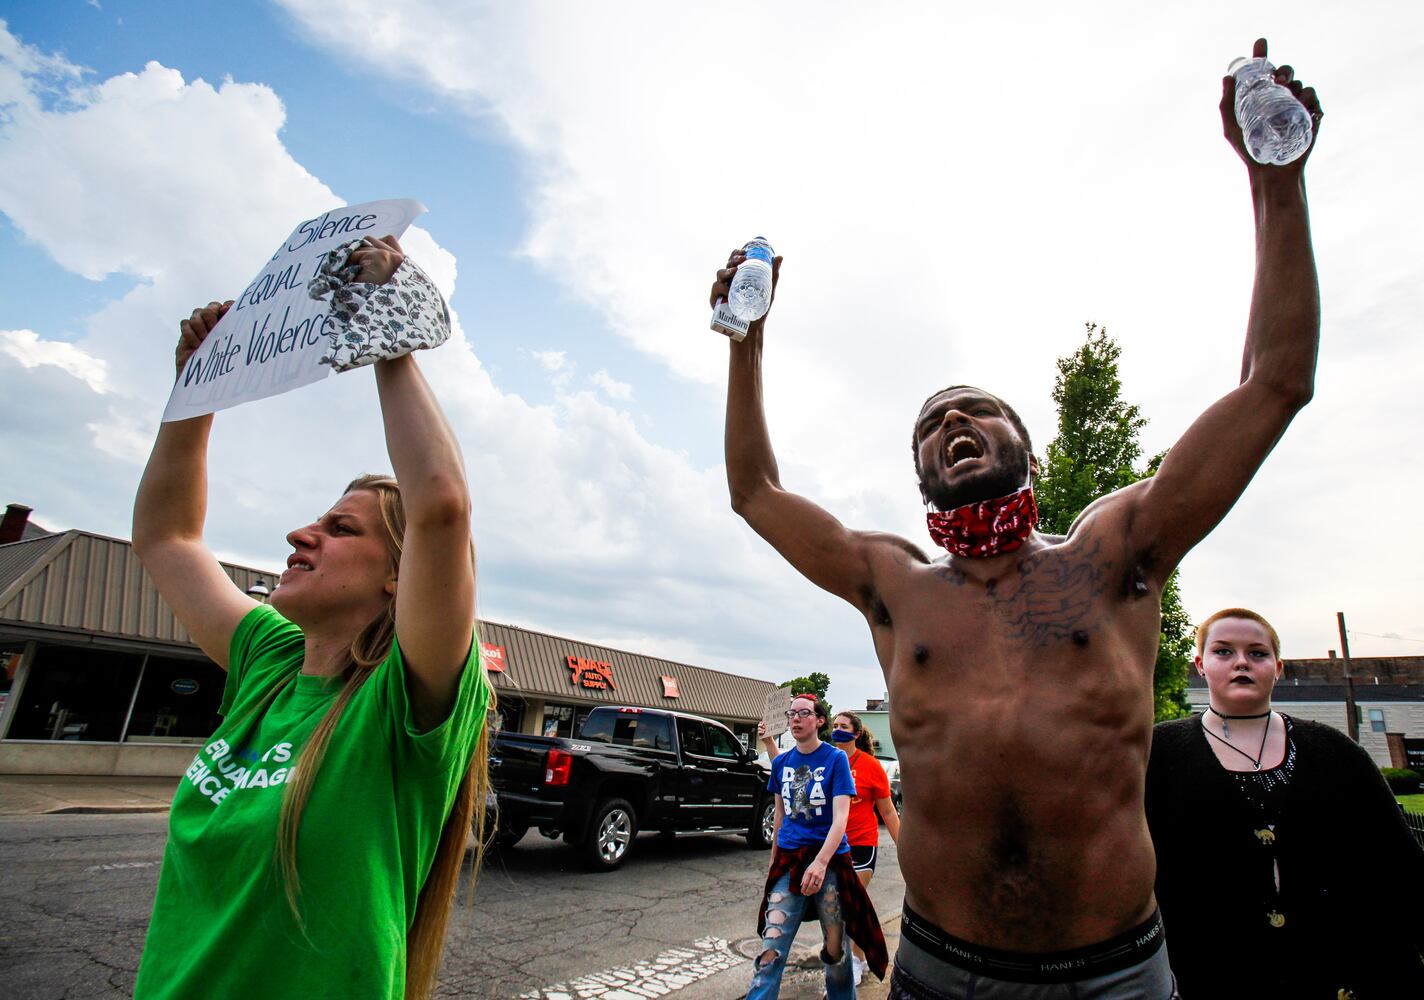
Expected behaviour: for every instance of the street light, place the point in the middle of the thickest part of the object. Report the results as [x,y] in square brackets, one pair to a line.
[259,591]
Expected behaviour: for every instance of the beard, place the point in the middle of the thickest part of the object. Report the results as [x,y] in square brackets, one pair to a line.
[1005,476]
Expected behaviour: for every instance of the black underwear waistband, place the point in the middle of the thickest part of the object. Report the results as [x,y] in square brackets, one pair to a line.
[1127,949]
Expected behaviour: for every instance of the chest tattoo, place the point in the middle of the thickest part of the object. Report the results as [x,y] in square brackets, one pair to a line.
[1047,598]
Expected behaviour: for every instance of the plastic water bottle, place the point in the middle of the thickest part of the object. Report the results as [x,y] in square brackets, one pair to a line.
[750,294]
[1275,126]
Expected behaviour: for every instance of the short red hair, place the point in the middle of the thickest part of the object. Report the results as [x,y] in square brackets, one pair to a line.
[822,709]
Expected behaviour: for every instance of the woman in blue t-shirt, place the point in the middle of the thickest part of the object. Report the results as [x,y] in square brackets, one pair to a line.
[811,857]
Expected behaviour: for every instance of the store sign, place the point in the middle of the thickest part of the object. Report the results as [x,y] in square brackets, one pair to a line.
[493,657]
[592,674]
[184,685]
[669,686]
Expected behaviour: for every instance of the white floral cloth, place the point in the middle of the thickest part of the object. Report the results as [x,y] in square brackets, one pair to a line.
[371,322]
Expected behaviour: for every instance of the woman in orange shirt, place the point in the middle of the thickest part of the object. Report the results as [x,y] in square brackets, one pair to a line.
[872,795]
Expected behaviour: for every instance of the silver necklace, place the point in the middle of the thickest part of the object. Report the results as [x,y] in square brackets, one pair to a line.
[1226,719]
[1260,752]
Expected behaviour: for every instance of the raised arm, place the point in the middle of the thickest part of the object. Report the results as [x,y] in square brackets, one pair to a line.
[1207,470]
[819,546]
[169,513]
[435,585]
[767,743]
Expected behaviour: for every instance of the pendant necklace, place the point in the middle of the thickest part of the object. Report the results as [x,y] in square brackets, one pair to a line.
[1260,751]
[1226,726]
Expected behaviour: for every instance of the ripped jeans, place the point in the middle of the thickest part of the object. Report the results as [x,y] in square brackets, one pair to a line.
[784,912]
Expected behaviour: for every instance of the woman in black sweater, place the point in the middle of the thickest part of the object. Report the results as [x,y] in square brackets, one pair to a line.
[1284,868]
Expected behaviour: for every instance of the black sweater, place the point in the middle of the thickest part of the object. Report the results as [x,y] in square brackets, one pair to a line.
[1351,874]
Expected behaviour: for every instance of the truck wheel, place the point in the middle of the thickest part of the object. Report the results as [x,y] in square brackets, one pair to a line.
[764,827]
[610,834]
[506,837]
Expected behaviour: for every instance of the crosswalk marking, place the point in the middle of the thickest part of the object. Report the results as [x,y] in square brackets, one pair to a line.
[656,977]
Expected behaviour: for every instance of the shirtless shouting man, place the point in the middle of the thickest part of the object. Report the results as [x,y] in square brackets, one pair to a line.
[1019,665]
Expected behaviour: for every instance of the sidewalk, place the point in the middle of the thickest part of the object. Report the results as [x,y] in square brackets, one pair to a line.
[37,794]
[807,981]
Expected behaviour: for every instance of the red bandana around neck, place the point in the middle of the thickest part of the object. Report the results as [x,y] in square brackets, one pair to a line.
[987,528]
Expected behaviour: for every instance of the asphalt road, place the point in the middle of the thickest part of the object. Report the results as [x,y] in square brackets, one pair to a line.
[77,889]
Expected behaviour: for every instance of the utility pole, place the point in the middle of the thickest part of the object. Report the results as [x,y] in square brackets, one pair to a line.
[1352,714]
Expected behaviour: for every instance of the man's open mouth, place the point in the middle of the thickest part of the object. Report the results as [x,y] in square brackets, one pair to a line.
[962,446]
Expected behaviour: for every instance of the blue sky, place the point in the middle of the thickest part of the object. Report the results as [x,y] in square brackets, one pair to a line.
[955,193]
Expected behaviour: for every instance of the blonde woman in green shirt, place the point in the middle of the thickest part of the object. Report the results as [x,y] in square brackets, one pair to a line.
[316,841]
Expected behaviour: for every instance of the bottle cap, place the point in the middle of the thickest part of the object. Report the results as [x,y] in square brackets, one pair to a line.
[1257,65]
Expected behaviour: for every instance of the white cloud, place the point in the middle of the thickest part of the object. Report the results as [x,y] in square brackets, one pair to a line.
[28,75]
[611,387]
[551,361]
[956,193]
[26,347]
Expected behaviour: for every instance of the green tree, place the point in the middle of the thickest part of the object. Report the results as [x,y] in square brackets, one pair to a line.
[1096,452]
[816,681]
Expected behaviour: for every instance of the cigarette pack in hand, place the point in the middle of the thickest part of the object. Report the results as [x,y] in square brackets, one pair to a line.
[724,322]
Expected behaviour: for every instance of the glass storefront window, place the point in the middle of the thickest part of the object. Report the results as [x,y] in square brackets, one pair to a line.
[558,720]
[84,694]
[177,701]
[76,693]
[511,713]
[10,655]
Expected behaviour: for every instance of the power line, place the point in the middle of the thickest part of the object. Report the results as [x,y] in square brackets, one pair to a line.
[1376,635]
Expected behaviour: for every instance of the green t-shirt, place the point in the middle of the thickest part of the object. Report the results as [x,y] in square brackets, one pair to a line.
[221,923]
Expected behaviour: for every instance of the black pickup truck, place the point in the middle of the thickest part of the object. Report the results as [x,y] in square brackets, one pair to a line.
[630,770]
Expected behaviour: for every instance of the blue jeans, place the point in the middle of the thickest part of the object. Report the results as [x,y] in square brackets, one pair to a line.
[784,912]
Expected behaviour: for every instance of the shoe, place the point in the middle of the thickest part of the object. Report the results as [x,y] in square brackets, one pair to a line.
[858,968]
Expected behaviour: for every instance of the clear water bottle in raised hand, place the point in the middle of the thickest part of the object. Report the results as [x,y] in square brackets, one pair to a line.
[750,295]
[1274,125]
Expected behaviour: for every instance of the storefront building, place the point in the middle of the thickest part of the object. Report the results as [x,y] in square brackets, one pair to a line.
[98,677]
[547,684]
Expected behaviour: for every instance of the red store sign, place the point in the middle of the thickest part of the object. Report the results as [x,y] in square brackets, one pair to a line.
[493,657]
[593,674]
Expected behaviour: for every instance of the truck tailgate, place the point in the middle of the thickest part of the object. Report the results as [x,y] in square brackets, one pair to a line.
[517,763]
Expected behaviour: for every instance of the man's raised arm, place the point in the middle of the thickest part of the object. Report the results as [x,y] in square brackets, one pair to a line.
[820,547]
[1207,470]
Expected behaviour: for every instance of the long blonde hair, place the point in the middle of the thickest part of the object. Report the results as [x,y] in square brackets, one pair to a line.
[426,938]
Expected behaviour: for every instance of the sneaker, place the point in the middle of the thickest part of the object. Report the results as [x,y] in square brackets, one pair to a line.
[858,968]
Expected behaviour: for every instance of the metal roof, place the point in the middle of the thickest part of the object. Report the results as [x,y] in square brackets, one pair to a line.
[536,666]
[17,557]
[90,583]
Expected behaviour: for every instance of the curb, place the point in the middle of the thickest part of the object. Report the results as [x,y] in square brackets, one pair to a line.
[92,810]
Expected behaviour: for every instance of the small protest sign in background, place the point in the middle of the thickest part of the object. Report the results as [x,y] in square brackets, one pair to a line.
[273,337]
[778,700]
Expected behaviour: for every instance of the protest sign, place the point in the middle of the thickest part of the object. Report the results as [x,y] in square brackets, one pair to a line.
[778,700]
[273,337]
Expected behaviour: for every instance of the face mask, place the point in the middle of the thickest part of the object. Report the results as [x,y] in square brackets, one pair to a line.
[988,528]
[842,736]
